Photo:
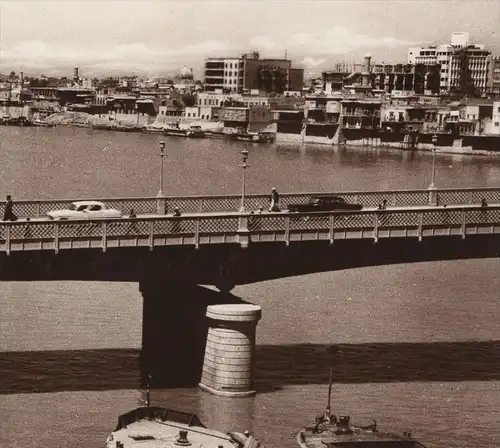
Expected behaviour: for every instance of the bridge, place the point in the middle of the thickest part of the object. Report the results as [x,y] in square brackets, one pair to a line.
[213,244]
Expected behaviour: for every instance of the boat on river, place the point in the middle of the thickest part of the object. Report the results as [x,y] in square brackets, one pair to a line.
[154,427]
[191,132]
[330,431]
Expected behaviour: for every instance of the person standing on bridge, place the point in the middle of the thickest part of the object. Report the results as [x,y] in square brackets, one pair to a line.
[8,214]
[176,224]
[275,201]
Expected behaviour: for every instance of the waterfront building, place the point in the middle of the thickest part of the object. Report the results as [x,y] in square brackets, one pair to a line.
[360,113]
[465,67]
[201,112]
[245,118]
[494,77]
[249,72]
[419,78]
[496,118]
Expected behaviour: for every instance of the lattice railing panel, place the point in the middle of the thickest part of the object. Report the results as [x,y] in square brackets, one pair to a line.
[174,225]
[45,207]
[442,217]
[455,197]
[397,219]
[140,206]
[219,225]
[367,199]
[353,220]
[221,204]
[491,196]
[32,230]
[309,222]
[127,227]
[185,205]
[79,229]
[483,216]
[268,223]
[293,198]
[256,202]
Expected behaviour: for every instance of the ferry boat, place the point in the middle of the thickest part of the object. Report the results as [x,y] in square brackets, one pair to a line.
[330,431]
[191,132]
[152,129]
[153,427]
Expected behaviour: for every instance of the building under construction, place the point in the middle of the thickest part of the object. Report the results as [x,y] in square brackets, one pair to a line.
[416,78]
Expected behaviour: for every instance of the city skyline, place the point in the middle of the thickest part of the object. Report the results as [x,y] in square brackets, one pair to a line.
[138,37]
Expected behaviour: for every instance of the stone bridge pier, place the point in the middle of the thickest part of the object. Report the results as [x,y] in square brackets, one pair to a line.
[192,335]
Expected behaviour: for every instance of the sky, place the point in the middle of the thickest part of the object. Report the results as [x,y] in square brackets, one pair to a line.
[156,38]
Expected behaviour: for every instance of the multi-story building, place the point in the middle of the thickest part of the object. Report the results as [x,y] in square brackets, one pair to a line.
[496,117]
[494,78]
[464,67]
[249,72]
[418,78]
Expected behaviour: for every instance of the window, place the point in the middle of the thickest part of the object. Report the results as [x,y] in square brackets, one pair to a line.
[497,124]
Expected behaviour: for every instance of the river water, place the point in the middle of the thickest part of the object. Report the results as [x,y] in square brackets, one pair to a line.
[420,343]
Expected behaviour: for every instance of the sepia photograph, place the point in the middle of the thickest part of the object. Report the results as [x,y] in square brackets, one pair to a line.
[250,223]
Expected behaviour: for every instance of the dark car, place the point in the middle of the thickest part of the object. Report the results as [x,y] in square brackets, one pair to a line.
[324,203]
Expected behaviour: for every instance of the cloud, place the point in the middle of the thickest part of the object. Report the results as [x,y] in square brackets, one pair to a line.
[263,43]
[339,40]
[310,62]
[313,48]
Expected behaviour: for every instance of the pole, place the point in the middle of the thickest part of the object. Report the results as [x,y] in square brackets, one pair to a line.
[244,154]
[433,200]
[162,147]
[328,406]
[433,180]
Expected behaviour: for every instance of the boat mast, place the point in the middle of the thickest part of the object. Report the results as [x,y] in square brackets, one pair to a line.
[148,391]
[328,407]
[332,351]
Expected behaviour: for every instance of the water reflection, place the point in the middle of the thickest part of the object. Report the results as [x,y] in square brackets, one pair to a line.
[277,366]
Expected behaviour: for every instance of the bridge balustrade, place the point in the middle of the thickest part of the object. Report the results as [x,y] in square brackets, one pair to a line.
[266,227]
[226,203]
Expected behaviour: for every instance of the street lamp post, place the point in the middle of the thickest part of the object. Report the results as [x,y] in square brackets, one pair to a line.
[244,154]
[432,186]
[160,203]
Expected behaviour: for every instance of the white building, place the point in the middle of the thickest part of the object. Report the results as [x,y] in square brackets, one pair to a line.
[452,58]
[496,118]
[224,73]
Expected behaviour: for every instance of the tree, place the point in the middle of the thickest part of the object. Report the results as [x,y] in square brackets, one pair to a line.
[189,100]
[12,74]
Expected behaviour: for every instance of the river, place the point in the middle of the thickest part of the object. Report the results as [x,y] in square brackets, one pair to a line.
[420,343]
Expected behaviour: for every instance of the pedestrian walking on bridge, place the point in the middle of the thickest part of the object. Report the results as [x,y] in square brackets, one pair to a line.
[8,213]
[275,201]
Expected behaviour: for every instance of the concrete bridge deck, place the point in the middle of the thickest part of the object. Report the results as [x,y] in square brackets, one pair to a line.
[197,229]
[227,203]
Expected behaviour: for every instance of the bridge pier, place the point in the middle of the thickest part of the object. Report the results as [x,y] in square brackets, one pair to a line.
[228,367]
[174,330]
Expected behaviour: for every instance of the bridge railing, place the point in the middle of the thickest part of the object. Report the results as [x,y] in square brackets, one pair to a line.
[226,203]
[196,230]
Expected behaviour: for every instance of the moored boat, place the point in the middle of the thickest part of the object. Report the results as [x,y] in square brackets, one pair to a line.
[153,427]
[330,431]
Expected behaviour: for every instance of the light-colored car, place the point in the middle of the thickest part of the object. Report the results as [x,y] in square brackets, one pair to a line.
[85,210]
